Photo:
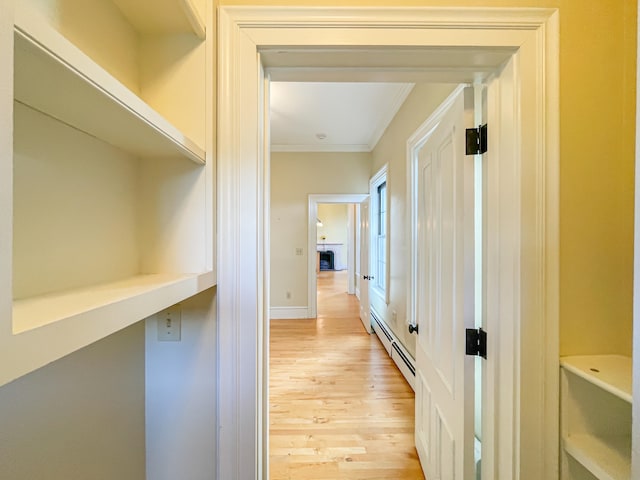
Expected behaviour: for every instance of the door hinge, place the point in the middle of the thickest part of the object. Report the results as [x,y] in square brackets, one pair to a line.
[476,140]
[476,342]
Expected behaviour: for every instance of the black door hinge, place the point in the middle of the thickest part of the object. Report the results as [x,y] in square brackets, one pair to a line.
[476,342]
[477,140]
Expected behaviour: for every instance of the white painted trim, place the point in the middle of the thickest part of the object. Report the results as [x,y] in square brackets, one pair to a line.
[352,248]
[312,240]
[533,34]
[376,180]
[289,313]
[380,331]
[357,227]
[408,375]
[635,414]
[6,180]
[264,254]
[390,345]
[321,148]
[414,144]
[195,20]
[240,240]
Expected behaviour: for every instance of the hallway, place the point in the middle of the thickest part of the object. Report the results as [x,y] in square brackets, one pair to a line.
[339,408]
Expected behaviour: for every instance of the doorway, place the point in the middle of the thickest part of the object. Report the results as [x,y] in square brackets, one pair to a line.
[347,253]
[524,199]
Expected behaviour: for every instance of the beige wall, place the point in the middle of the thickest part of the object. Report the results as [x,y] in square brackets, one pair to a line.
[597,132]
[294,176]
[181,394]
[101,31]
[334,223]
[81,417]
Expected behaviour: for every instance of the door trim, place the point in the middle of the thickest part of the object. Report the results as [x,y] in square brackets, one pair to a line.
[414,144]
[529,429]
[312,229]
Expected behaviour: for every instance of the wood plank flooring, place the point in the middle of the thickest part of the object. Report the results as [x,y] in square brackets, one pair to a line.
[339,408]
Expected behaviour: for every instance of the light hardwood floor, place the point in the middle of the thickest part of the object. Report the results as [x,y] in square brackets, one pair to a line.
[339,408]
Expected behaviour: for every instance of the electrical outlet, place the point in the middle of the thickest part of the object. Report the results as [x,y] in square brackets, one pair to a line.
[288,295]
[169,324]
[298,251]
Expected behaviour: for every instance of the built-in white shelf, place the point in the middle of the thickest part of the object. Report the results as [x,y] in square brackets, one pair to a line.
[596,415]
[56,78]
[135,298]
[83,212]
[163,16]
[612,373]
[607,458]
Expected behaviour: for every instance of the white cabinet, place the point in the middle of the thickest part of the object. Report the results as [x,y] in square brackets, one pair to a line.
[596,417]
[111,211]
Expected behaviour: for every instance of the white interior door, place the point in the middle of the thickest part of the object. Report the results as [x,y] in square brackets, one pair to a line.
[363,278]
[445,301]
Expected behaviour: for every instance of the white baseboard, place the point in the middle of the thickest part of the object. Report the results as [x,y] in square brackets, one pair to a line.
[401,357]
[405,363]
[288,313]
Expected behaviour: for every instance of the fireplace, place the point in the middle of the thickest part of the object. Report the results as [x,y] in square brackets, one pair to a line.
[326,260]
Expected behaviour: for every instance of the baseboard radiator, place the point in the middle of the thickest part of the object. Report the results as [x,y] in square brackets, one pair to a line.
[395,349]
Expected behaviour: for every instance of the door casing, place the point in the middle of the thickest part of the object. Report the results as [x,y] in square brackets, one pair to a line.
[522,205]
[312,279]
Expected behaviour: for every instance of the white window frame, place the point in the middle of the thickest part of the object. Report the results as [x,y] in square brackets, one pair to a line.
[382,291]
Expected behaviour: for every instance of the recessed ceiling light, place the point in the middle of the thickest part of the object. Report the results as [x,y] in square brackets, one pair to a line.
[321,136]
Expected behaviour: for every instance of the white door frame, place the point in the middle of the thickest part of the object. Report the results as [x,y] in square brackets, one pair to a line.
[524,203]
[312,229]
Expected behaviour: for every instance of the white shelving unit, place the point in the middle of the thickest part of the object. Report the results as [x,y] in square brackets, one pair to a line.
[129,297]
[596,417]
[112,210]
[163,16]
[73,96]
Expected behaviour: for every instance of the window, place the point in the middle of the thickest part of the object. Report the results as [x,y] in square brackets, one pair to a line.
[379,229]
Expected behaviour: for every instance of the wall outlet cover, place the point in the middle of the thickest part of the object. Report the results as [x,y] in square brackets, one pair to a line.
[170,324]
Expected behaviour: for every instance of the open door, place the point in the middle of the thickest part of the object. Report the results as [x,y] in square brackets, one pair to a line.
[445,300]
[363,277]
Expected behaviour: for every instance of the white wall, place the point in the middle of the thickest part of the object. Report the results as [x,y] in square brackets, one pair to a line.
[81,417]
[391,149]
[294,176]
[180,395]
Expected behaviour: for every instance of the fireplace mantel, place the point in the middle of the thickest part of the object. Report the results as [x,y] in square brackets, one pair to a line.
[339,253]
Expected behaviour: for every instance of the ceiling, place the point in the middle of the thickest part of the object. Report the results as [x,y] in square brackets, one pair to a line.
[332,116]
[342,100]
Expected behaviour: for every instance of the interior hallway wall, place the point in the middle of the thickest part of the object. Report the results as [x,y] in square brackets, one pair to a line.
[294,176]
[181,389]
[81,417]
